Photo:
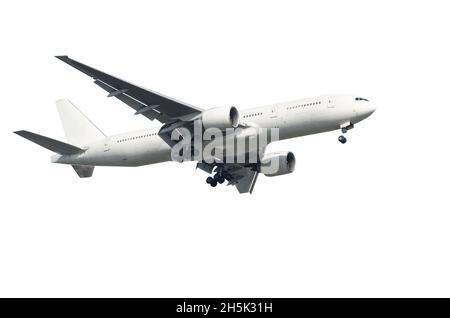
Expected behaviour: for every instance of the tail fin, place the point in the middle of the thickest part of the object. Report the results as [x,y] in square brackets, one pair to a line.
[49,143]
[78,128]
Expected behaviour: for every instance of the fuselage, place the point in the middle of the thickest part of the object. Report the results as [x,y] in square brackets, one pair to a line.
[293,119]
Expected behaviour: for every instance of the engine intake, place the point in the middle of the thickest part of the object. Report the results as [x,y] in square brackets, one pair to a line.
[221,118]
[278,163]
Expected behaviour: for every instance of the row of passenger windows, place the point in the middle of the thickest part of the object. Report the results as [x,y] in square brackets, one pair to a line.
[252,115]
[304,105]
[136,137]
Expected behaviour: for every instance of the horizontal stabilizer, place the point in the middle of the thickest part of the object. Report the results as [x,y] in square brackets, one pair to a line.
[49,143]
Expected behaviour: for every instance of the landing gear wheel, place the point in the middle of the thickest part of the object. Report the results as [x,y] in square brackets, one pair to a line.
[209,180]
[342,139]
[221,179]
[213,183]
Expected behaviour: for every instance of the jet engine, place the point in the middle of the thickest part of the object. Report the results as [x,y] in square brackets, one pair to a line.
[278,163]
[221,118]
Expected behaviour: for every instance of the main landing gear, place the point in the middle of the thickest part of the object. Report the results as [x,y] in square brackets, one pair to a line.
[218,178]
[344,128]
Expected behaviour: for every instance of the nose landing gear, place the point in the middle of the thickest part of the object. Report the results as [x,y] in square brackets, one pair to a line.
[344,128]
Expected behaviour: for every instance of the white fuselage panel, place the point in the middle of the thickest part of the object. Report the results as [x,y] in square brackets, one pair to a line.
[294,119]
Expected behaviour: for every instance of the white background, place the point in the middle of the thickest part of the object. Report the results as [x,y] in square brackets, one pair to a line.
[368,218]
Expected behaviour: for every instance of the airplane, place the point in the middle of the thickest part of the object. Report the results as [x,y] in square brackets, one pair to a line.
[87,146]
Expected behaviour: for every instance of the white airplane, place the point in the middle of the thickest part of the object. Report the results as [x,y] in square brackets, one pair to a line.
[88,147]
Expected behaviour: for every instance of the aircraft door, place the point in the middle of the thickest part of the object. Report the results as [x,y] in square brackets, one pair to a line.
[331,103]
[106,145]
[275,116]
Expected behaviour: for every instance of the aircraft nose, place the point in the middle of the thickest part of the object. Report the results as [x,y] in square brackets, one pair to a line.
[370,108]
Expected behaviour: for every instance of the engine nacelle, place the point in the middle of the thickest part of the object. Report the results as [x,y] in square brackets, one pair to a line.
[278,163]
[221,118]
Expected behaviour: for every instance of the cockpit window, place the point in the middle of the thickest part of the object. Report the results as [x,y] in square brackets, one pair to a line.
[360,98]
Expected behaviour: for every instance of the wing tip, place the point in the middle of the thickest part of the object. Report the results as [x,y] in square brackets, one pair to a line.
[62,57]
[19,132]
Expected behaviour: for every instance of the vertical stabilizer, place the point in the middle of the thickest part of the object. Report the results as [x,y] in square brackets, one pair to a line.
[79,130]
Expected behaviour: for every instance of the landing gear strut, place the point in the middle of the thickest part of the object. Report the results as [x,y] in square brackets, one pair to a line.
[218,178]
[344,129]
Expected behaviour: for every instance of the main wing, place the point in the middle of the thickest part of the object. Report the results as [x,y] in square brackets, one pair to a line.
[145,102]
[244,178]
